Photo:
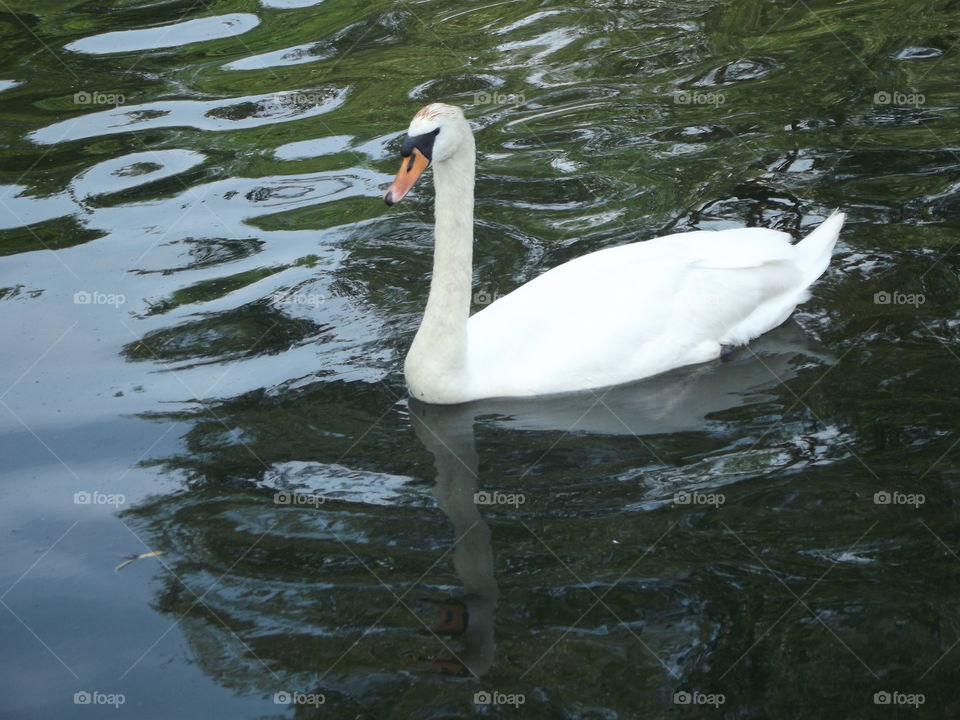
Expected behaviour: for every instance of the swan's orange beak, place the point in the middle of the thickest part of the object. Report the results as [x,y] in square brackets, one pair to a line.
[411,168]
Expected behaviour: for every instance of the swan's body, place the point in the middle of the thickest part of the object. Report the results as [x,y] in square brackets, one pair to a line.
[609,317]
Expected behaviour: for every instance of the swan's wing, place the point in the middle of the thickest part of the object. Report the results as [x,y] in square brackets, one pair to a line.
[628,312]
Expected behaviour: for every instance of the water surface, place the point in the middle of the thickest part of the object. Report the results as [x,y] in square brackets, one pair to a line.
[205,307]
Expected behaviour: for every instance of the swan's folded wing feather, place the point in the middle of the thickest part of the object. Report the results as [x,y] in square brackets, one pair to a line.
[629,311]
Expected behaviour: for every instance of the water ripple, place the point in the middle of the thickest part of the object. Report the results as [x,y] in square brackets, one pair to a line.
[226,114]
[130,171]
[165,36]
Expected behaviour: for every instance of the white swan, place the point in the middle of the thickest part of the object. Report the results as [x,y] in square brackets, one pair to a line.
[612,316]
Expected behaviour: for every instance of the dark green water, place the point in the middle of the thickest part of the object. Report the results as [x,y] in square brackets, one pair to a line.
[204,303]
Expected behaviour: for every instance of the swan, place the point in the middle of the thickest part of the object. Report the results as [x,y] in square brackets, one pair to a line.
[605,318]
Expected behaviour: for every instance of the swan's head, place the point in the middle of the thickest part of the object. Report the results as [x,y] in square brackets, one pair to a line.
[436,133]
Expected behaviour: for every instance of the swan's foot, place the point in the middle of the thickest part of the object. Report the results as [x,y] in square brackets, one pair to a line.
[453,618]
[727,352]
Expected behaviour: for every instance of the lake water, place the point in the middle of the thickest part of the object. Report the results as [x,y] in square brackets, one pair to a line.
[205,304]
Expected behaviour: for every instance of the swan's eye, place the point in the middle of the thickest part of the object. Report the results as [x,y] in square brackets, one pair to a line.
[428,150]
[422,142]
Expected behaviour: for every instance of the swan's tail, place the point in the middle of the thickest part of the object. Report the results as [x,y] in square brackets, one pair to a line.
[815,250]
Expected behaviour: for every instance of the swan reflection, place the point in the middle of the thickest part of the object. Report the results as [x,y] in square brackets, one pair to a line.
[681,400]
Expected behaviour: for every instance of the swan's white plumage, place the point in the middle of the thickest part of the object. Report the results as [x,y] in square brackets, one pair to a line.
[637,310]
[616,315]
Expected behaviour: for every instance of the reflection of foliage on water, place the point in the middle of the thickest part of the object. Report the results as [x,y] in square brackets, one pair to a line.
[256,329]
[50,235]
[242,438]
[288,592]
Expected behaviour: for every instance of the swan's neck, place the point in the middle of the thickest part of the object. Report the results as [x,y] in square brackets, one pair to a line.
[436,366]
